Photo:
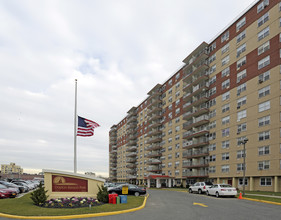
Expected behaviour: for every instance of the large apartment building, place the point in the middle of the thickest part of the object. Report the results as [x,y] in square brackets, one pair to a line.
[193,126]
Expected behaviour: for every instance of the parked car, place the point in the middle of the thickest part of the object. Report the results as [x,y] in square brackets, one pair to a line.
[222,190]
[11,185]
[8,193]
[26,188]
[200,187]
[132,190]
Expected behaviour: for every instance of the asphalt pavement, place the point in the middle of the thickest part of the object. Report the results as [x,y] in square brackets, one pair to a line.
[162,205]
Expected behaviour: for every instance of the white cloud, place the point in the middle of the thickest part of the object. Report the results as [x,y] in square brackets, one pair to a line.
[118,50]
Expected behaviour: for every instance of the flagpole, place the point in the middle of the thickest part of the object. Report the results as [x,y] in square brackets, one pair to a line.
[75,128]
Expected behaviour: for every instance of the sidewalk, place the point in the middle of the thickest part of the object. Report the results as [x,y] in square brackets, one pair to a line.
[263,195]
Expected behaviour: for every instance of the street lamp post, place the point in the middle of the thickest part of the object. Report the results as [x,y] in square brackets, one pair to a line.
[244,163]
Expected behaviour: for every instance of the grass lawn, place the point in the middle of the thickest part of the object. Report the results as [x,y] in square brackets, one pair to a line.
[24,207]
[264,195]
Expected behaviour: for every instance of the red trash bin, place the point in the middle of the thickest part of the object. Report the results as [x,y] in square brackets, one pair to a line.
[114,196]
[110,198]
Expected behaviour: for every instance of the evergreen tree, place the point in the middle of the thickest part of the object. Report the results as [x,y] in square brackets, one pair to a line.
[39,196]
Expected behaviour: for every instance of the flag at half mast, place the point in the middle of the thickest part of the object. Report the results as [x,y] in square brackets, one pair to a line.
[86,127]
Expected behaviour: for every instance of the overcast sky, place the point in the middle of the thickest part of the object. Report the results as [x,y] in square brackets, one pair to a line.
[117,49]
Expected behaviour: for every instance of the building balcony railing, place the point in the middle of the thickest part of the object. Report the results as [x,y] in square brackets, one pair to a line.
[131,125]
[131,149]
[153,161]
[154,109]
[154,117]
[132,136]
[154,139]
[132,119]
[131,165]
[201,120]
[195,153]
[153,168]
[131,176]
[191,164]
[196,143]
[132,154]
[154,132]
[114,147]
[194,71]
[132,142]
[193,134]
[154,154]
[153,147]
[113,138]
[194,174]
[131,160]
[154,124]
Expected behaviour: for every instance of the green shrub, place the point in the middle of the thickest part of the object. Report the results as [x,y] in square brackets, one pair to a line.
[39,196]
[102,195]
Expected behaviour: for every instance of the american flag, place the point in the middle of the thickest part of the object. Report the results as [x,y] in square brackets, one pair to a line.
[86,127]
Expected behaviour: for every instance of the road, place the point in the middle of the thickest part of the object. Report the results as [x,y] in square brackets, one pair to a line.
[162,205]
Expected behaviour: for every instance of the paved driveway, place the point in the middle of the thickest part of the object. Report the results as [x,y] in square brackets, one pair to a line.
[171,205]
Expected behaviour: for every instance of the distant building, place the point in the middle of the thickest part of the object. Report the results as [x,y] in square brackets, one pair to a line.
[11,168]
[90,174]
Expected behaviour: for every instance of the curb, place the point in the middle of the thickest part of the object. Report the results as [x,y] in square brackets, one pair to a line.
[263,201]
[78,216]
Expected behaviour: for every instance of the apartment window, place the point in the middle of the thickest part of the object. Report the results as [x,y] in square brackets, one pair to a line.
[170,107]
[170,131]
[264,62]
[264,106]
[264,150]
[212,136]
[263,121]
[212,47]
[225,168]
[241,88]
[262,5]
[212,102]
[170,91]
[169,164]
[170,148]
[170,82]
[225,144]
[263,19]
[225,36]
[177,146]
[225,60]
[264,47]
[240,36]
[212,147]
[265,135]
[225,84]
[212,113]
[178,111]
[241,114]
[225,72]
[212,158]
[178,102]
[241,62]
[225,108]
[241,75]
[177,137]
[240,154]
[169,156]
[212,91]
[212,80]
[242,127]
[225,132]
[264,76]
[263,165]
[240,181]
[264,91]
[240,24]
[225,120]
[264,33]
[170,115]
[212,169]
[178,84]
[240,167]
[178,76]
[240,140]
[177,93]
[177,119]
[177,128]
[212,69]
[225,48]
[241,49]
[212,124]
[265,181]
[212,58]
[170,99]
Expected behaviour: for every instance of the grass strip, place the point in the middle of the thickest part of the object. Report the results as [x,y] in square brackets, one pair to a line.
[24,207]
[269,199]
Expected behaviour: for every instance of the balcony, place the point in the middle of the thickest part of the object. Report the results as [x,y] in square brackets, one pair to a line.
[154,110]
[131,160]
[195,153]
[195,174]
[131,125]
[191,164]
[113,152]
[197,133]
[195,143]
[154,132]
[131,165]
[113,138]
[154,139]
[201,120]
[114,147]
[131,149]
[153,147]
[132,154]
[154,124]
[132,136]
[153,169]
[154,154]
[132,119]
[153,162]
[131,177]
[154,117]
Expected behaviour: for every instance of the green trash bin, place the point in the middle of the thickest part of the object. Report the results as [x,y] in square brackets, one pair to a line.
[117,200]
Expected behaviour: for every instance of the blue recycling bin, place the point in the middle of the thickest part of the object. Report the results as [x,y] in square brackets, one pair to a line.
[123,199]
